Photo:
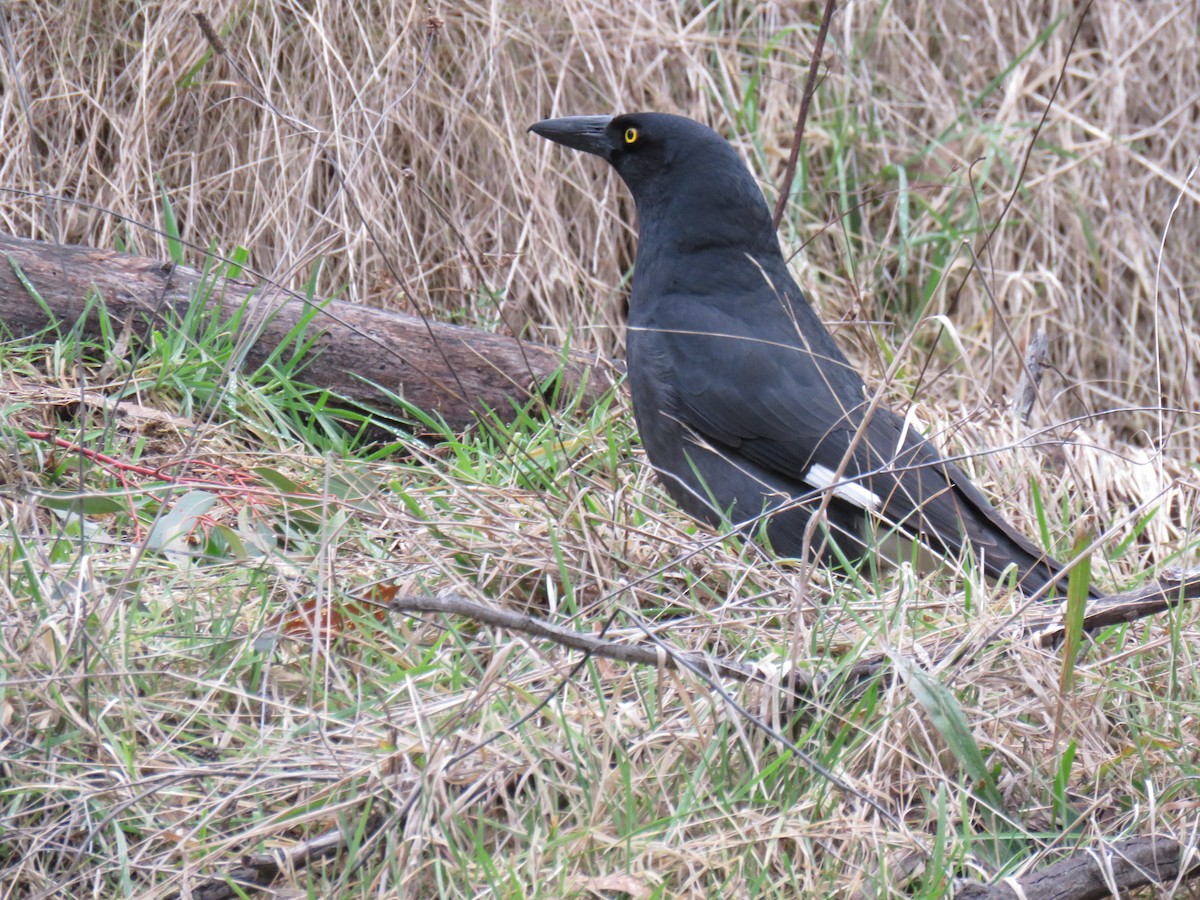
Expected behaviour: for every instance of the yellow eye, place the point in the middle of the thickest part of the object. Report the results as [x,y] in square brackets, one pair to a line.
[630,135]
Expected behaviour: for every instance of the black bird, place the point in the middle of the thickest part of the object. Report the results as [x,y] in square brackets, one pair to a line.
[744,402]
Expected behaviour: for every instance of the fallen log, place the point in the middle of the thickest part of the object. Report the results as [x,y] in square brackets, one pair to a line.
[1096,872]
[357,352]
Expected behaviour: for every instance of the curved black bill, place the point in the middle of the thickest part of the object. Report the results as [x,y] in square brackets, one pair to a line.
[586,133]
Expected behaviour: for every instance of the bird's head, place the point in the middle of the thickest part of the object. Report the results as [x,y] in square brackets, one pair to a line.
[680,172]
[641,146]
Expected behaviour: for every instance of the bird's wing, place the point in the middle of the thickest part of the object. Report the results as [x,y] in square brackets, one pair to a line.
[771,399]
[795,409]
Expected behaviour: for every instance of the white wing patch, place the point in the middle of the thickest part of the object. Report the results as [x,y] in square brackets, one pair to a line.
[821,478]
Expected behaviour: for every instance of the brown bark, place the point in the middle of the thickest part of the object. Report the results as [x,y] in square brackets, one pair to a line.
[1096,872]
[450,370]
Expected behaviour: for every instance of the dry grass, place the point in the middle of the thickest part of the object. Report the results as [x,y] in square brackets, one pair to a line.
[158,719]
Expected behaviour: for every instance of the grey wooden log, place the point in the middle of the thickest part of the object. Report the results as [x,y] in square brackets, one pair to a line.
[1095,872]
[450,370]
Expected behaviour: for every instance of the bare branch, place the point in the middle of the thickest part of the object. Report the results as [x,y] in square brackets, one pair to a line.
[1174,587]
[810,86]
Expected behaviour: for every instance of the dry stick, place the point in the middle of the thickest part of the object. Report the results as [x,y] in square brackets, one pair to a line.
[1097,871]
[661,655]
[810,86]
[1174,586]
[458,605]
[260,869]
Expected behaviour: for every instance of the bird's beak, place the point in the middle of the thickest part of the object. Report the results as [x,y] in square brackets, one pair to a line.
[586,133]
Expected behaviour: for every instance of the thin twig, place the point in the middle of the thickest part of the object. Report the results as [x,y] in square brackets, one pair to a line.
[1173,587]
[810,87]
[1033,139]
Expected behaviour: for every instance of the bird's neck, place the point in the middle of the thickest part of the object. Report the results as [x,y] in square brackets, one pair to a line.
[680,250]
[710,208]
